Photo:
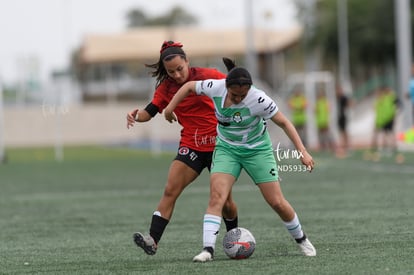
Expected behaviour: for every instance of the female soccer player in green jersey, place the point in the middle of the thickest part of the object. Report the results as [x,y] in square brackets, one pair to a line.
[244,142]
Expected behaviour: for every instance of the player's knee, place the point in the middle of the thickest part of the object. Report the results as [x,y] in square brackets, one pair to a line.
[217,200]
[172,190]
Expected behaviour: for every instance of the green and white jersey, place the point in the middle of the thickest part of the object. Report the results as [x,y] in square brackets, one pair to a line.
[242,124]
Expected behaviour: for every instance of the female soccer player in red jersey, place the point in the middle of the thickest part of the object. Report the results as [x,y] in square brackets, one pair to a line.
[197,136]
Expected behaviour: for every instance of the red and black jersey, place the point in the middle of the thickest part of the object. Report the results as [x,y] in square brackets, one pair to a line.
[195,113]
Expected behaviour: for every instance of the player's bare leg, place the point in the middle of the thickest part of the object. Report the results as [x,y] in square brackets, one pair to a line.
[273,195]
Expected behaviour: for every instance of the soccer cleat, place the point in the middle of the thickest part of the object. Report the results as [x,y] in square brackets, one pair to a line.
[306,247]
[147,243]
[204,256]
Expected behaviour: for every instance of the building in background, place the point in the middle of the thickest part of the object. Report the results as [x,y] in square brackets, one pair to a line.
[111,66]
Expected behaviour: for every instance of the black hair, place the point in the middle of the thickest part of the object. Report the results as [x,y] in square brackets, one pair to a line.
[169,50]
[236,75]
[230,64]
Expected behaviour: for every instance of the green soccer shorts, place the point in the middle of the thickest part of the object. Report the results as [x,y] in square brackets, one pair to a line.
[259,163]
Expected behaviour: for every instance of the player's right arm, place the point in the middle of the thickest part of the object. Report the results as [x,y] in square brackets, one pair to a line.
[183,92]
[145,115]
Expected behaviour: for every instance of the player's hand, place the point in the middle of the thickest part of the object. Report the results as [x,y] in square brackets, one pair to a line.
[169,115]
[307,160]
[131,118]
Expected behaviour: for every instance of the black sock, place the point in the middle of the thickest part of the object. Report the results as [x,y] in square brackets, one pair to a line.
[158,225]
[301,239]
[231,223]
[209,249]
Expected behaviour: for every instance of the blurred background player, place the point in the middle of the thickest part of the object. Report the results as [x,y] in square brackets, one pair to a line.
[410,94]
[322,113]
[344,102]
[297,104]
[386,107]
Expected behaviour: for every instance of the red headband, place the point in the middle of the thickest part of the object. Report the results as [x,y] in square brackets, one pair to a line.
[168,44]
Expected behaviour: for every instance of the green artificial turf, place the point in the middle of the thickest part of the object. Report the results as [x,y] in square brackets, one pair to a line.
[78,216]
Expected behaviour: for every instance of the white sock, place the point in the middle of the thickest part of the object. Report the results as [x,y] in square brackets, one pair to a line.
[294,228]
[211,227]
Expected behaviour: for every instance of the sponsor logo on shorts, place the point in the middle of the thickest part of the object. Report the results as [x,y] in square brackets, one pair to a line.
[183,151]
[193,156]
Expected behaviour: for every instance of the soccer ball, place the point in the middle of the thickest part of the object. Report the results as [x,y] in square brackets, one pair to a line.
[239,243]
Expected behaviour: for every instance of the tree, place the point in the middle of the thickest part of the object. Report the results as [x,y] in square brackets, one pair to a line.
[371,30]
[177,16]
[136,18]
[371,33]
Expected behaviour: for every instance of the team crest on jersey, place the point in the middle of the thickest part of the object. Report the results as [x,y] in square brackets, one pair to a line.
[237,117]
[183,151]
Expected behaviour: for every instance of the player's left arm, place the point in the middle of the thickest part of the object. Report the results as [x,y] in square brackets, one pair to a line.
[281,120]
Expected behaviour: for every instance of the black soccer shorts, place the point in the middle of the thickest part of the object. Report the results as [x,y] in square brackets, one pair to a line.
[195,159]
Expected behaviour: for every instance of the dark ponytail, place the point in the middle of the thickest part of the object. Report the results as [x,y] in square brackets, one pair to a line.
[230,64]
[236,75]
